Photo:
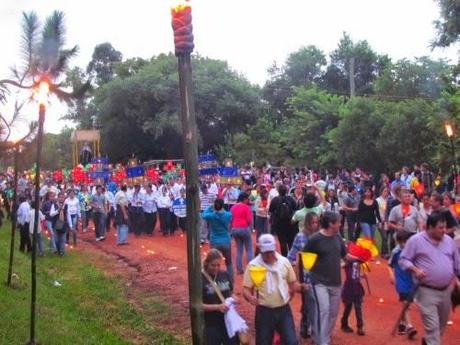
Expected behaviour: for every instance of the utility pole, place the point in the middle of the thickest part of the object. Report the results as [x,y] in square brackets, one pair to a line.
[352,77]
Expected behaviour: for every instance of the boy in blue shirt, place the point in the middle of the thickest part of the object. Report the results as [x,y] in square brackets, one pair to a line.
[403,282]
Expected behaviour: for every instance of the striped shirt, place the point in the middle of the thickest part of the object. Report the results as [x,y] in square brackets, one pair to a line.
[206,200]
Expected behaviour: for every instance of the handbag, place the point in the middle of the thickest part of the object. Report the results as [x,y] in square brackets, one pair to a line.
[59,226]
[242,336]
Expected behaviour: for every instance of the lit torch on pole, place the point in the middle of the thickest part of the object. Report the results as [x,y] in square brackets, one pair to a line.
[181,15]
[41,92]
[450,135]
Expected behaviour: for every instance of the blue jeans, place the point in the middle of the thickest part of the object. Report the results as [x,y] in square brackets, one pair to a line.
[73,229]
[226,251]
[242,238]
[40,247]
[122,233]
[368,230]
[60,241]
[99,223]
[261,225]
[269,320]
[52,243]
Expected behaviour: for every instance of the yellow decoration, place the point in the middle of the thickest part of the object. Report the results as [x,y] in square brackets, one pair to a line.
[257,274]
[368,244]
[308,260]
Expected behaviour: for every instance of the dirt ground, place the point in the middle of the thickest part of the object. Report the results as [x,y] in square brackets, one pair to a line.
[158,266]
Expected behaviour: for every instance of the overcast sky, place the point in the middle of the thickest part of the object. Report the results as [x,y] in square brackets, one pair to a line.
[249,34]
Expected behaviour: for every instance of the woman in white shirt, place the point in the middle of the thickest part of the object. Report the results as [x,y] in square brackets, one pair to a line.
[164,204]
[72,207]
[383,227]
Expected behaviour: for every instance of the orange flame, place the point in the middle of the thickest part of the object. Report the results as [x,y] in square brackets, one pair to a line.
[40,93]
[180,5]
[449,130]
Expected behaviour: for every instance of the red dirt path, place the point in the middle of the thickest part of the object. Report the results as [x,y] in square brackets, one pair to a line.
[158,266]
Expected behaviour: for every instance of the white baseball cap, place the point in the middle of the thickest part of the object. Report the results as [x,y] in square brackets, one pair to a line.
[266,243]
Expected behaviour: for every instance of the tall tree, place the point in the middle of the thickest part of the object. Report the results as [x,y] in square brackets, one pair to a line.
[367,66]
[101,66]
[140,114]
[302,68]
[422,77]
[448,26]
[315,113]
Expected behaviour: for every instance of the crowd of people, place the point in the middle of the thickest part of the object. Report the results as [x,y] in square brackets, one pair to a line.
[412,217]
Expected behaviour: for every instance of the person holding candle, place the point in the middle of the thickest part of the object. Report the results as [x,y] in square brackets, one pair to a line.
[273,312]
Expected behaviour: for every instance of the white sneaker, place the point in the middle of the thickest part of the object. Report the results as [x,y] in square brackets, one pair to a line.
[98,238]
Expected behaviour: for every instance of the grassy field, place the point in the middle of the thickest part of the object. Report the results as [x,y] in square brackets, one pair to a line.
[88,308]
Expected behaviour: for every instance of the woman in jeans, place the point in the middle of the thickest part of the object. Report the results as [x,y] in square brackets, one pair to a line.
[241,226]
[368,212]
[72,215]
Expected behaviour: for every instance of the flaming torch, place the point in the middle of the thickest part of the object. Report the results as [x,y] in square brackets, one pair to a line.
[40,94]
[181,20]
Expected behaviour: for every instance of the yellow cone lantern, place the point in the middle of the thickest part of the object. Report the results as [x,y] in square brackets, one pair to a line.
[257,274]
[308,260]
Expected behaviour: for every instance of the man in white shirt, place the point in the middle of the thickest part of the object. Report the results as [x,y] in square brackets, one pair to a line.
[48,187]
[31,221]
[137,211]
[150,209]
[22,216]
[213,188]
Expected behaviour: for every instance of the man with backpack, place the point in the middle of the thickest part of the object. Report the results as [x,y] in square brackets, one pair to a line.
[281,211]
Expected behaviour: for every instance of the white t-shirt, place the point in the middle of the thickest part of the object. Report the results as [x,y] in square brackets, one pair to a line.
[31,220]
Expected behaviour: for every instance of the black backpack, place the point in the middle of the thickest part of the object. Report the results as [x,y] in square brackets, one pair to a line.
[283,212]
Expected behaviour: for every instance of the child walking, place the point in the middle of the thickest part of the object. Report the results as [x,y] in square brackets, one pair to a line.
[352,295]
[403,283]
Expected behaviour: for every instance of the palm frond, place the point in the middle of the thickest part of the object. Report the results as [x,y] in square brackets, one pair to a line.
[29,39]
[53,39]
[71,96]
[3,92]
[63,61]
[16,113]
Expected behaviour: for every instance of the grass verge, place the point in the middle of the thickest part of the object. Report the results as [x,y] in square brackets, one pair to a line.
[88,308]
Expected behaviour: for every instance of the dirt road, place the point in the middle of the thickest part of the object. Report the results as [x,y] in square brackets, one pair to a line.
[158,265]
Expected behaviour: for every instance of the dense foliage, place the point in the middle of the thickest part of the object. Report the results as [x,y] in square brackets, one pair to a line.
[352,107]
[303,115]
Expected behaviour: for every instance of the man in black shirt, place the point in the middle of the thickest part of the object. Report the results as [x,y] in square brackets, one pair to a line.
[326,277]
[451,222]
[281,209]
